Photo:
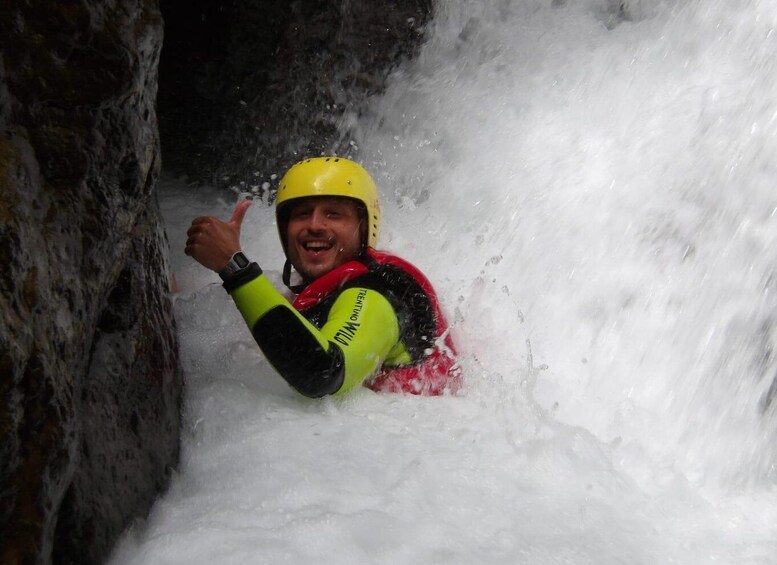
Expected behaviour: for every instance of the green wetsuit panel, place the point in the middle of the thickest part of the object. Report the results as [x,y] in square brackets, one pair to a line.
[364,325]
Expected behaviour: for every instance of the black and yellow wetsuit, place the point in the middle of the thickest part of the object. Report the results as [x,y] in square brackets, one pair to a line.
[375,317]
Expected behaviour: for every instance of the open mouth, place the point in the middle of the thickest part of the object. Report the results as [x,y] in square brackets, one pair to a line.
[317,246]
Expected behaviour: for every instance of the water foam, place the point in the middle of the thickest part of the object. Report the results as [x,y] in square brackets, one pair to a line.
[591,191]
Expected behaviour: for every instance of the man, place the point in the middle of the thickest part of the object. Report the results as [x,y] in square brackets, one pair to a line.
[360,315]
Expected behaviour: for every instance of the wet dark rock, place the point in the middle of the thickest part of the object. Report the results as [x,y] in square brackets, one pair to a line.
[132,396]
[249,87]
[89,396]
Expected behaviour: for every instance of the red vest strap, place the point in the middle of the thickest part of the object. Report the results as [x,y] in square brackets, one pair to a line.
[327,284]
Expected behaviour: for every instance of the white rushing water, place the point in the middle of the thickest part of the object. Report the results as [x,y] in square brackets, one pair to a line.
[594,195]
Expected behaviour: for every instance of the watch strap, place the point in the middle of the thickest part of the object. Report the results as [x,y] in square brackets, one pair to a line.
[236,263]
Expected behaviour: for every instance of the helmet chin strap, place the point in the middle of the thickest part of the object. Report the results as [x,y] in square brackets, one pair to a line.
[297,288]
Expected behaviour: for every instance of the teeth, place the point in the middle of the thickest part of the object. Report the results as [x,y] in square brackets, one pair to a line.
[316,245]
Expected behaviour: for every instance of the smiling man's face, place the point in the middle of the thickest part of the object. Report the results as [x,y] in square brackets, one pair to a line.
[323,233]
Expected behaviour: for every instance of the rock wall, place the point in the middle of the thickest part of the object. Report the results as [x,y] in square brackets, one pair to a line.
[250,86]
[90,396]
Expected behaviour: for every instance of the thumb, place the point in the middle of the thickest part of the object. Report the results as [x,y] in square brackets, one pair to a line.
[239,213]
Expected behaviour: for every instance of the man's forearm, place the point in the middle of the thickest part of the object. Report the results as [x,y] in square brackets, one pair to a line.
[297,350]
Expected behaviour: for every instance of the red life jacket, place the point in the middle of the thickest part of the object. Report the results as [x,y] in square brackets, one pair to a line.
[434,369]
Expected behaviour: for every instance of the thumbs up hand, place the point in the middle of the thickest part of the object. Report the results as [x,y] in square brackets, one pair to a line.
[211,242]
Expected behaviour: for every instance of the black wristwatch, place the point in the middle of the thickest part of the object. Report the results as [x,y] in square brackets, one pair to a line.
[237,262]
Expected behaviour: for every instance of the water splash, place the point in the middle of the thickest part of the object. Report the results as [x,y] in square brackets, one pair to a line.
[589,184]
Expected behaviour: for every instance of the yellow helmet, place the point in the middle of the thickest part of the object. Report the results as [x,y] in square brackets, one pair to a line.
[329,176]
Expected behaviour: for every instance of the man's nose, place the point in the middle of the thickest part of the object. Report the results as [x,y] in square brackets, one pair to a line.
[318,220]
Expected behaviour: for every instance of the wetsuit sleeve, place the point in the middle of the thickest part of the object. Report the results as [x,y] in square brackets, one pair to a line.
[364,325]
[360,331]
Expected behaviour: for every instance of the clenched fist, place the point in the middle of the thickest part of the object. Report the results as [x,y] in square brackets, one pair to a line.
[211,242]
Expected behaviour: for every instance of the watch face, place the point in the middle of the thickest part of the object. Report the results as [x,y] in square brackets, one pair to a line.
[241,260]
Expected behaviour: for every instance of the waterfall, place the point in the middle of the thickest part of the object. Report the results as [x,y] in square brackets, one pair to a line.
[590,185]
